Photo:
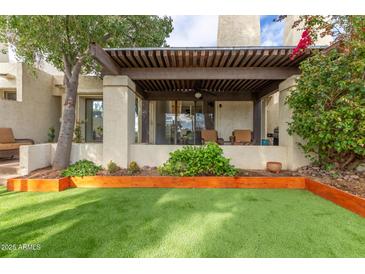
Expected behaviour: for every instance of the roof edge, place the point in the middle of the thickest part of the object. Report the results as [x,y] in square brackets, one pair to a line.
[213,48]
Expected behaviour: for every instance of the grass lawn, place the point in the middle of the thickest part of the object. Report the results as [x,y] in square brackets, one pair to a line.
[178,223]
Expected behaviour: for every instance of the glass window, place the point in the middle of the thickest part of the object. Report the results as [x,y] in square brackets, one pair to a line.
[94,120]
[10,95]
[180,122]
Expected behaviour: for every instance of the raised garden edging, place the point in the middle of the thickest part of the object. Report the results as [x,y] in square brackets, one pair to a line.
[349,201]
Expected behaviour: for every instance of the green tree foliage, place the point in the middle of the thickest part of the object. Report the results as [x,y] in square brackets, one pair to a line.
[63,41]
[329,101]
[197,161]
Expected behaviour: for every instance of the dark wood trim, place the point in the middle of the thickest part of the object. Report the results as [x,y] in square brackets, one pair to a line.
[139,92]
[219,73]
[189,96]
[145,121]
[257,122]
[268,90]
[110,67]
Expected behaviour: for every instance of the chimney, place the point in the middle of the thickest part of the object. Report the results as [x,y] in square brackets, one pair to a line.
[292,36]
[238,30]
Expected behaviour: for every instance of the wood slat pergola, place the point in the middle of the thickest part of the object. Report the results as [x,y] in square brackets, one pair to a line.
[238,73]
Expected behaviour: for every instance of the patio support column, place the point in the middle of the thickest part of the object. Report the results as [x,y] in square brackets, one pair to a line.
[257,121]
[119,119]
[145,121]
[296,156]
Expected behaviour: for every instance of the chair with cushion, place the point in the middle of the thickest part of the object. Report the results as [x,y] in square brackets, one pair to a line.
[210,135]
[9,146]
[241,137]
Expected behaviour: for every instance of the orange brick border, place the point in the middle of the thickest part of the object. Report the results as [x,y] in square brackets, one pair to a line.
[349,201]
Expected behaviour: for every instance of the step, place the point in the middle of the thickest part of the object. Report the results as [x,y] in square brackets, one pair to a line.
[9,168]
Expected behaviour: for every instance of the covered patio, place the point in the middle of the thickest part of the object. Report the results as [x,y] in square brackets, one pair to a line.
[156,99]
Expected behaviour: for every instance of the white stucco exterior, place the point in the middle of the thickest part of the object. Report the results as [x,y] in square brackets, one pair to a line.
[244,157]
[238,30]
[295,157]
[231,115]
[35,109]
[41,155]
[292,36]
[119,120]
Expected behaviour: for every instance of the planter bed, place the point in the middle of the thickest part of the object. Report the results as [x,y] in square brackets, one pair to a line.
[349,201]
[38,185]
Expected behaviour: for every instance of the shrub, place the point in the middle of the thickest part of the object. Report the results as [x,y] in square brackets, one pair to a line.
[81,168]
[198,161]
[51,134]
[133,168]
[78,132]
[112,167]
[329,107]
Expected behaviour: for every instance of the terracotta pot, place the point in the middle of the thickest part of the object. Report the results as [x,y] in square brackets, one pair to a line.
[274,167]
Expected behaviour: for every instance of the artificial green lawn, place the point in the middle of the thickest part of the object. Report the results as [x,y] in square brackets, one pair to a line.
[179,223]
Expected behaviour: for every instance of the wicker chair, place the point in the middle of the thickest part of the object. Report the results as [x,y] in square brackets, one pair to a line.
[9,146]
[211,135]
[241,137]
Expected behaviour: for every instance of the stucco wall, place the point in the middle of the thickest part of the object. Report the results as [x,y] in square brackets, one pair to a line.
[88,151]
[272,113]
[292,36]
[41,155]
[296,157]
[231,115]
[245,157]
[35,110]
[34,157]
[238,30]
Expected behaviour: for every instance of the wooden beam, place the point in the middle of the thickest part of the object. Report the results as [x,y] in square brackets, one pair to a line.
[268,90]
[190,96]
[139,92]
[145,121]
[194,73]
[109,65]
[257,122]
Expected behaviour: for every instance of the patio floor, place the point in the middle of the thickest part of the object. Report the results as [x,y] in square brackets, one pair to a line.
[178,223]
[8,169]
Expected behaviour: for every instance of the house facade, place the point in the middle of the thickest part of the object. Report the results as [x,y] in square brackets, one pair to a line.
[151,101]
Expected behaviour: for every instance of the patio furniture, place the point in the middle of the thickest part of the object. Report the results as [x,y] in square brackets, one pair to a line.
[9,146]
[210,135]
[241,137]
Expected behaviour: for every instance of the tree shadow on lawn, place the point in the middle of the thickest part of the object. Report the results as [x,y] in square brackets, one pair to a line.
[181,223]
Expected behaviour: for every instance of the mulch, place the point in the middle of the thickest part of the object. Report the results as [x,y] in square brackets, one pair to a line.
[354,186]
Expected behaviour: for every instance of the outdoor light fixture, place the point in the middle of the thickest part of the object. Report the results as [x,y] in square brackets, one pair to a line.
[198,95]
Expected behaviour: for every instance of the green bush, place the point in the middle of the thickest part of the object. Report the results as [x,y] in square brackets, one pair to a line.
[328,107]
[51,134]
[205,160]
[133,168]
[112,167]
[81,168]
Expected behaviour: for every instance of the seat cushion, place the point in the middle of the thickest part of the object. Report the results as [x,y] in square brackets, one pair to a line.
[6,136]
[11,146]
[209,135]
[242,135]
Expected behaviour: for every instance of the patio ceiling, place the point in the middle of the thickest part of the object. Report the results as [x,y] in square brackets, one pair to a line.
[239,73]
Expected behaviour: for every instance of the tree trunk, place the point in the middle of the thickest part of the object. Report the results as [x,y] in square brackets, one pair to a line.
[64,144]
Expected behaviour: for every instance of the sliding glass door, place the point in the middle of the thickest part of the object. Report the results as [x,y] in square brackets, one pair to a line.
[180,122]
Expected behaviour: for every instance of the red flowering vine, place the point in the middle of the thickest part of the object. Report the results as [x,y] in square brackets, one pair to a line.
[304,42]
